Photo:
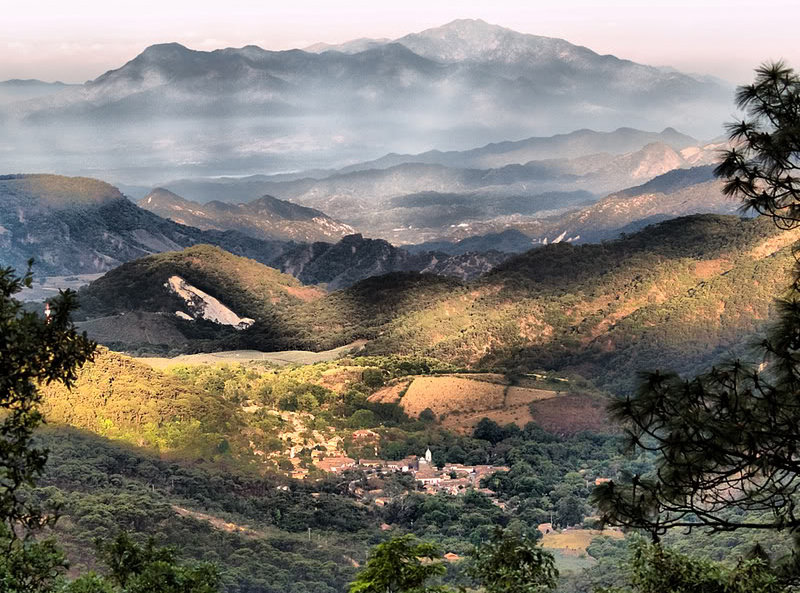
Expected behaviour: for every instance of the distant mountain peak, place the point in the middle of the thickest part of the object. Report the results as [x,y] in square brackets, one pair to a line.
[165,48]
[466,27]
[474,39]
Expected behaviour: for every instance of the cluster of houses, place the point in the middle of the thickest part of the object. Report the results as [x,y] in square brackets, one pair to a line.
[453,478]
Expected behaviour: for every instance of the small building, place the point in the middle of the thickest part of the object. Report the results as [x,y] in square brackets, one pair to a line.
[427,476]
[336,464]
[371,463]
[455,486]
[599,481]
[545,528]
[409,464]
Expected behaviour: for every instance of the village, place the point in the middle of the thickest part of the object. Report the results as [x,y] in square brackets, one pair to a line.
[452,478]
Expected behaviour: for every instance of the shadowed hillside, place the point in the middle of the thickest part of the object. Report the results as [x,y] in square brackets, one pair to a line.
[681,293]
[76,225]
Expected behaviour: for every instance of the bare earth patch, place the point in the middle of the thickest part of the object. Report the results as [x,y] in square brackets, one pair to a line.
[461,401]
[571,413]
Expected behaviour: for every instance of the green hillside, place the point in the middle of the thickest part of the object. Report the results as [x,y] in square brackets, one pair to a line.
[198,457]
[243,284]
[680,294]
[600,310]
[119,398]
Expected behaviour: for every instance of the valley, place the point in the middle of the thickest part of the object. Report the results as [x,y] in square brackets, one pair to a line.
[278,308]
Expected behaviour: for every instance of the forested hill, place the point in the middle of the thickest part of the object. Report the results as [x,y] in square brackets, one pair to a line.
[680,294]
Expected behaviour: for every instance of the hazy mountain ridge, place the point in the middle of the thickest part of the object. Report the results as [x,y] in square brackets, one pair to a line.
[80,225]
[415,202]
[680,192]
[263,218]
[575,144]
[676,193]
[18,90]
[246,110]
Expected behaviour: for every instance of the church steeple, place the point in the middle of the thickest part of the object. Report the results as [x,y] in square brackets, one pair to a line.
[428,455]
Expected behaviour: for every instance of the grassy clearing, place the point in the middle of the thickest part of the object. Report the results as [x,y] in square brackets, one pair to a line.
[575,541]
[283,358]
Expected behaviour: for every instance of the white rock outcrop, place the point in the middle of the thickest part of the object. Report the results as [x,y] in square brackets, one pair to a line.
[203,305]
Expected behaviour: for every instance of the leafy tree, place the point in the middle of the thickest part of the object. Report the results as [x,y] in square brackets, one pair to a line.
[400,565]
[570,511]
[142,568]
[488,430]
[373,377]
[511,563]
[427,416]
[655,569]
[726,441]
[33,351]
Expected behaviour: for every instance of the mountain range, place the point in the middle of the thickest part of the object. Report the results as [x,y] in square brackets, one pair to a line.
[263,218]
[246,110]
[420,199]
[74,225]
[83,226]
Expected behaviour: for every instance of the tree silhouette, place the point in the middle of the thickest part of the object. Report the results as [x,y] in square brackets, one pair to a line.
[761,168]
[511,563]
[729,439]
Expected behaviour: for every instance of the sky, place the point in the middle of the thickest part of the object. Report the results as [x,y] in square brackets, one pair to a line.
[78,40]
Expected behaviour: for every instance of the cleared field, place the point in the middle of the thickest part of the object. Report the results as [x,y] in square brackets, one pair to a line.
[245,356]
[460,401]
[576,541]
[465,423]
[452,393]
[571,413]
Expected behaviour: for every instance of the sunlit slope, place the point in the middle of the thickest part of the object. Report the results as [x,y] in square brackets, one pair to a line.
[680,293]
